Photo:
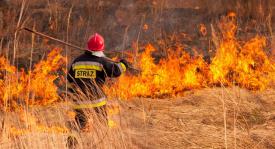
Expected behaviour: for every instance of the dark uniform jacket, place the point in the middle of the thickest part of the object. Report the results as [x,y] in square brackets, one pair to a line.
[88,73]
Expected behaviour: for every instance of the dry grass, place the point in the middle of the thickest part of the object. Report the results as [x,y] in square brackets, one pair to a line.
[208,118]
[198,120]
[50,127]
[194,121]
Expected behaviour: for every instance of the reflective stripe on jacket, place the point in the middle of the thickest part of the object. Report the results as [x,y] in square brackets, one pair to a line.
[89,72]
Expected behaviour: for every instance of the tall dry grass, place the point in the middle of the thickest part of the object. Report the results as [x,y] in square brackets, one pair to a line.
[50,126]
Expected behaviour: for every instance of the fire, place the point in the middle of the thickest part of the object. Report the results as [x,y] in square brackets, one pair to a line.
[18,88]
[235,63]
[246,65]
[203,30]
[250,67]
[42,84]
[174,74]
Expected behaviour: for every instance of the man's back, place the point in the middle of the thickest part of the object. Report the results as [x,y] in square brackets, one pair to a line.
[89,72]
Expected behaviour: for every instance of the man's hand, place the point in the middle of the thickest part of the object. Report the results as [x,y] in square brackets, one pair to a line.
[125,62]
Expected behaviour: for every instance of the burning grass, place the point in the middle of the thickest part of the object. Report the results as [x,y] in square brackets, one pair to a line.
[236,62]
[37,87]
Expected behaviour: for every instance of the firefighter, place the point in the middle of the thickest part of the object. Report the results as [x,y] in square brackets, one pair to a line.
[87,75]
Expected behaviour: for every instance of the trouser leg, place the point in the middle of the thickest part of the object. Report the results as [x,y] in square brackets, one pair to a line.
[101,113]
[81,118]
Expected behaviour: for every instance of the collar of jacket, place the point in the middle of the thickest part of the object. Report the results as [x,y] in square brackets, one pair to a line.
[97,54]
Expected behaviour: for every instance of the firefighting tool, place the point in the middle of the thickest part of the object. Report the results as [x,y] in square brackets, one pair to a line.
[77,47]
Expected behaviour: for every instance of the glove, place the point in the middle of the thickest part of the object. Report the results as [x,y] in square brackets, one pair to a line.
[125,62]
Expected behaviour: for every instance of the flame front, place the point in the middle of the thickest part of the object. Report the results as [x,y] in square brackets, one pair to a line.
[235,63]
[172,75]
[35,87]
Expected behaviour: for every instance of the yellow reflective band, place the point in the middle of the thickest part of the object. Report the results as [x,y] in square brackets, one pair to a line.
[82,73]
[95,67]
[123,67]
[89,106]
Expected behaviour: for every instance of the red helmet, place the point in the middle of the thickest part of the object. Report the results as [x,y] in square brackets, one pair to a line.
[96,43]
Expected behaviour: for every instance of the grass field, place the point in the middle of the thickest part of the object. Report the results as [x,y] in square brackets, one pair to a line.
[206,77]
[208,118]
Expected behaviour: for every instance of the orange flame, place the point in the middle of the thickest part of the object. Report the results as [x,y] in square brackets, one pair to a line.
[171,75]
[35,87]
[203,29]
[235,63]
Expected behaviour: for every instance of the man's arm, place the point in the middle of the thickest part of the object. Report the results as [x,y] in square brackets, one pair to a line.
[114,69]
